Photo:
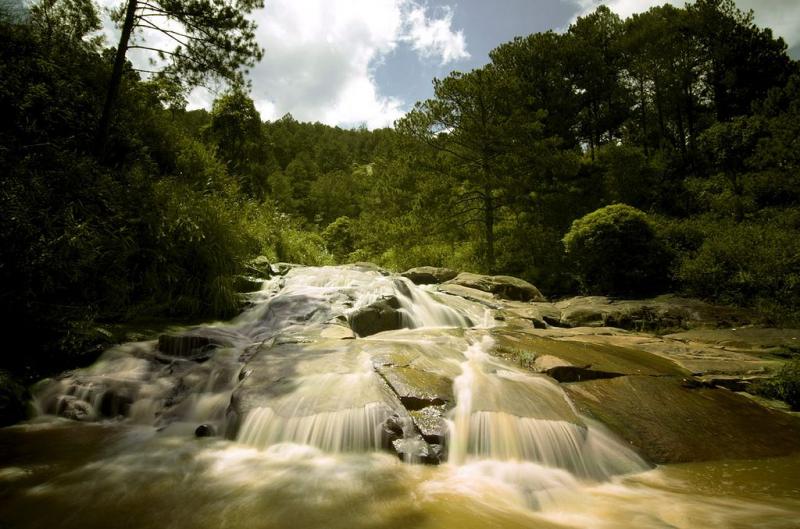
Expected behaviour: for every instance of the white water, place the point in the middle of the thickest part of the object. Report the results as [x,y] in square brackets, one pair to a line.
[310,449]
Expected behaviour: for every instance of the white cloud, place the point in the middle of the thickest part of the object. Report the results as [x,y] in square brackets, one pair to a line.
[434,37]
[320,56]
[783,16]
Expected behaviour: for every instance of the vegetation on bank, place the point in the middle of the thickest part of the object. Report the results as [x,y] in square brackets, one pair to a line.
[690,116]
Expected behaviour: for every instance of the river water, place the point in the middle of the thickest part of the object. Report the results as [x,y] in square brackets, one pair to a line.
[301,410]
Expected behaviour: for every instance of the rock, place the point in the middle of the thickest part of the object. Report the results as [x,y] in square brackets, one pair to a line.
[429,275]
[282,269]
[13,400]
[505,287]
[663,312]
[245,284]
[568,361]
[337,332]
[71,407]
[383,315]
[196,344]
[418,389]
[430,422]
[205,430]
[368,267]
[260,267]
[416,450]
[471,294]
[668,423]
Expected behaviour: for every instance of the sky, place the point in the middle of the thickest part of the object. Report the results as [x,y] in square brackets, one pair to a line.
[366,62]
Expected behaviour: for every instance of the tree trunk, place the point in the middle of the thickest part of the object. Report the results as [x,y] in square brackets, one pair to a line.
[488,220]
[116,79]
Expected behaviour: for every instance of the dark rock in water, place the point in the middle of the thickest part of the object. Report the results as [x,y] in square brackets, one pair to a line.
[71,407]
[505,287]
[577,373]
[430,421]
[246,284]
[260,267]
[669,423]
[196,344]
[383,315]
[116,402]
[13,399]
[416,450]
[205,430]
[429,275]
[393,429]
[417,389]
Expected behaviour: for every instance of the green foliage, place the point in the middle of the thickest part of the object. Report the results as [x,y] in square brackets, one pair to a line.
[754,264]
[785,385]
[615,250]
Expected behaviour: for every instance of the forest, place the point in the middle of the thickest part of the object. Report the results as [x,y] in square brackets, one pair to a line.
[627,157]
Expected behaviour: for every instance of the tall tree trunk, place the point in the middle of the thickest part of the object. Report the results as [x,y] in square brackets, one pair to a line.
[116,78]
[488,220]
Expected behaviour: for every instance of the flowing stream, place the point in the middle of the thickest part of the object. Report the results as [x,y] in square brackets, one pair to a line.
[284,418]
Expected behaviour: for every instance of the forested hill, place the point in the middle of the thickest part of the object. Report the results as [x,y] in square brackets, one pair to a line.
[691,116]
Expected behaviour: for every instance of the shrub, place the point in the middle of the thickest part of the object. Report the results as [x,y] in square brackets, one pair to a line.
[614,250]
[785,385]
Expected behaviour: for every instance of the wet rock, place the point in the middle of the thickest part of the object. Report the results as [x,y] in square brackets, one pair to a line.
[260,267]
[668,423]
[505,287]
[13,400]
[205,430]
[368,267]
[196,344]
[282,269]
[416,450]
[71,407]
[429,275]
[383,315]
[393,429]
[337,332]
[418,389]
[471,294]
[246,284]
[568,361]
[430,422]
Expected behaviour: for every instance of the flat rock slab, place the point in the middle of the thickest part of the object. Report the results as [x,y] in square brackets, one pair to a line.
[667,422]
[747,339]
[579,361]
[418,389]
[430,422]
[471,294]
[696,357]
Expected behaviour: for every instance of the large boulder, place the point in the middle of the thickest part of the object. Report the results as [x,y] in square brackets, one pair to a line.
[672,420]
[382,315]
[429,275]
[13,400]
[664,312]
[505,287]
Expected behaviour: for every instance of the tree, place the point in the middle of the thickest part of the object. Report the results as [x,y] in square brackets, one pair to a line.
[468,125]
[213,40]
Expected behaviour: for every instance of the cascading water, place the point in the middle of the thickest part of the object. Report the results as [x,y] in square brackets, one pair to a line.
[316,415]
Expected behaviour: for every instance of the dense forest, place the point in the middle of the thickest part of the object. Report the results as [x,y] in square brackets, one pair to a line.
[632,157]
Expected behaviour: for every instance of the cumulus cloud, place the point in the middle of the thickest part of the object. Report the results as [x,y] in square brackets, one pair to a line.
[783,16]
[320,56]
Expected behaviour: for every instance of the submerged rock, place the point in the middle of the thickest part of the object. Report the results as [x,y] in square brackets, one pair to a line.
[205,430]
[505,287]
[429,275]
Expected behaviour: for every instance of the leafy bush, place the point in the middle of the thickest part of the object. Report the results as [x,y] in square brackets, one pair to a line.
[615,250]
[755,264]
[785,385]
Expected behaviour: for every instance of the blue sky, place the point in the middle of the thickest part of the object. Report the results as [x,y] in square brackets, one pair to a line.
[353,62]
